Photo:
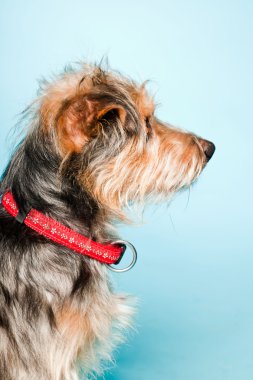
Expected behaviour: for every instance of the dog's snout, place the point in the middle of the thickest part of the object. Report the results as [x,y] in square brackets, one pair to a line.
[208,148]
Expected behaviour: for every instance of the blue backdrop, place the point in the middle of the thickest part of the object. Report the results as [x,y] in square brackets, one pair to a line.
[194,275]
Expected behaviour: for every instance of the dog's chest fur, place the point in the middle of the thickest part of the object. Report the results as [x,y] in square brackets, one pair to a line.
[50,324]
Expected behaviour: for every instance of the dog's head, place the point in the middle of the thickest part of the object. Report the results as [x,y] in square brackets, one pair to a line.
[106,123]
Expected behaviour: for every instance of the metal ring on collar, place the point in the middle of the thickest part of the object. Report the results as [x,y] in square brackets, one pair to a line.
[127,244]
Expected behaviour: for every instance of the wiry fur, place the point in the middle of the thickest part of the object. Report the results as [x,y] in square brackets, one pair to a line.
[93,147]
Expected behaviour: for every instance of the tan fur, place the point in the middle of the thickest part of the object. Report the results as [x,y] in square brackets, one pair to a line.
[89,332]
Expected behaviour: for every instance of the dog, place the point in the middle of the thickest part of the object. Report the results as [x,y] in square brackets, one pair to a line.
[93,147]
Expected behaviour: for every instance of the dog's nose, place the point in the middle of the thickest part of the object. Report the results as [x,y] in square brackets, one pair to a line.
[208,148]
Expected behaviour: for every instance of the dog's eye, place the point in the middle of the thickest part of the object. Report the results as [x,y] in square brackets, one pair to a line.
[148,127]
[148,123]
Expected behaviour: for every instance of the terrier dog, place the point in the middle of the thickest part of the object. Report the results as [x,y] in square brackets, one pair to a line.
[93,147]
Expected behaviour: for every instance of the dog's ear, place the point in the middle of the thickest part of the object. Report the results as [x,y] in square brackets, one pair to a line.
[104,117]
[83,118]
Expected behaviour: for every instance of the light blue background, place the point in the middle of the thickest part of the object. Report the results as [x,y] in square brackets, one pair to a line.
[194,275]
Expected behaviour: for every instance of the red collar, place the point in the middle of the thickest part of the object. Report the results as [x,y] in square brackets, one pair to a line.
[46,226]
